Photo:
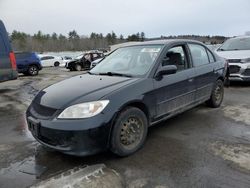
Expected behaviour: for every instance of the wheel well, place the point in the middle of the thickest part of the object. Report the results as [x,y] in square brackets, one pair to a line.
[33,65]
[139,105]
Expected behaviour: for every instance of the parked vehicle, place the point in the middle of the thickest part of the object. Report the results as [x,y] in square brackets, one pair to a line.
[97,61]
[51,61]
[112,106]
[65,60]
[237,52]
[28,63]
[84,62]
[7,58]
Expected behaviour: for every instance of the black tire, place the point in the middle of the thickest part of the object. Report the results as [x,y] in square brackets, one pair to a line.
[78,67]
[33,70]
[56,64]
[217,95]
[129,132]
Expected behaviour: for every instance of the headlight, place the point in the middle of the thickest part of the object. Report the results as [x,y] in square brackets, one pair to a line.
[247,60]
[83,110]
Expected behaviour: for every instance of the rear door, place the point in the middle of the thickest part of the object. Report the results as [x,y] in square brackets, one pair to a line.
[47,61]
[204,64]
[175,92]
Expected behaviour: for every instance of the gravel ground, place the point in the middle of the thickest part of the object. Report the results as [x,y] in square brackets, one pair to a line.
[202,147]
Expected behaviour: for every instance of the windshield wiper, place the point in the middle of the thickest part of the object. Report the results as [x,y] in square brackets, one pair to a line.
[90,73]
[114,74]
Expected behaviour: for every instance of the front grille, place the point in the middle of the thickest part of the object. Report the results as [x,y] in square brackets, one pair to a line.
[234,60]
[42,112]
[246,72]
[234,69]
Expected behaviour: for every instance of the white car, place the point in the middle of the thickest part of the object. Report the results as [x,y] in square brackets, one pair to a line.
[66,59]
[50,60]
[237,52]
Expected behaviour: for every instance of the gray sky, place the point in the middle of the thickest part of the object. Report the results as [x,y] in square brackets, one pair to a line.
[154,17]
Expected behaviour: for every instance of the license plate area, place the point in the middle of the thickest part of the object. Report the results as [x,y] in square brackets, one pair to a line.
[34,126]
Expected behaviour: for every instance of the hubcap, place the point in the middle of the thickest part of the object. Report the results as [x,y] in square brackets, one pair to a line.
[33,70]
[131,132]
[217,93]
[78,67]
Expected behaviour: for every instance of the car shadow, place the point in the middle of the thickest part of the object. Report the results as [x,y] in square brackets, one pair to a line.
[239,84]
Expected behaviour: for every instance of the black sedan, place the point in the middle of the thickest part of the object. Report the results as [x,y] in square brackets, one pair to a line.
[112,106]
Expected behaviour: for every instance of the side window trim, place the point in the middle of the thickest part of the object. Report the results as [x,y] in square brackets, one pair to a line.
[209,52]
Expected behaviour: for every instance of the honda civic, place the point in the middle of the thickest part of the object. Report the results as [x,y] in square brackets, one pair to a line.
[135,87]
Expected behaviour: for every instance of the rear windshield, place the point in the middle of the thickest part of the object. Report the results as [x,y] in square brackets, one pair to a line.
[236,44]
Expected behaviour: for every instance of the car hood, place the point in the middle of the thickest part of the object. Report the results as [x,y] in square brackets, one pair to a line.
[79,89]
[237,54]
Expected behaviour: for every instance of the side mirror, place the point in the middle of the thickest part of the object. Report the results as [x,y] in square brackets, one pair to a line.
[166,70]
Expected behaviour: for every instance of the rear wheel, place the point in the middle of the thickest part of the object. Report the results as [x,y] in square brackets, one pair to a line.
[129,132]
[33,70]
[217,95]
[56,64]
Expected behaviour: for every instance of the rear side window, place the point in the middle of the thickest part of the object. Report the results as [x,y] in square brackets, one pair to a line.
[3,49]
[199,55]
[211,57]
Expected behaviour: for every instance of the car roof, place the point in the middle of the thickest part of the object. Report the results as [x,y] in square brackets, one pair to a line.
[164,42]
[241,37]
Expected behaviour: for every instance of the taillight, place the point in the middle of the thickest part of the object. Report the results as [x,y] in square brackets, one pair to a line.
[12,60]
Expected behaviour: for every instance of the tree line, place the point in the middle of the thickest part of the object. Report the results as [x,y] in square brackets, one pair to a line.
[41,42]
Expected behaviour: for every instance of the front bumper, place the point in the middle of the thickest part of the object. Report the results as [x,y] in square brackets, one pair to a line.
[73,137]
[239,71]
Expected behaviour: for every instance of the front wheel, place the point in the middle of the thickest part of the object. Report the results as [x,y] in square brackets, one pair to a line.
[217,95]
[129,132]
[78,67]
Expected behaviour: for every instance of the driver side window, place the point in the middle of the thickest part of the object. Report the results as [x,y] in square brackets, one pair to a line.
[176,56]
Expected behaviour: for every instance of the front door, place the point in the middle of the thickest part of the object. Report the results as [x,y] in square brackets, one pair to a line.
[175,92]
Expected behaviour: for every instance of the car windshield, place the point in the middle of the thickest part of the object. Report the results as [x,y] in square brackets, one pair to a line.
[79,57]
[133,61]
[236,44]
